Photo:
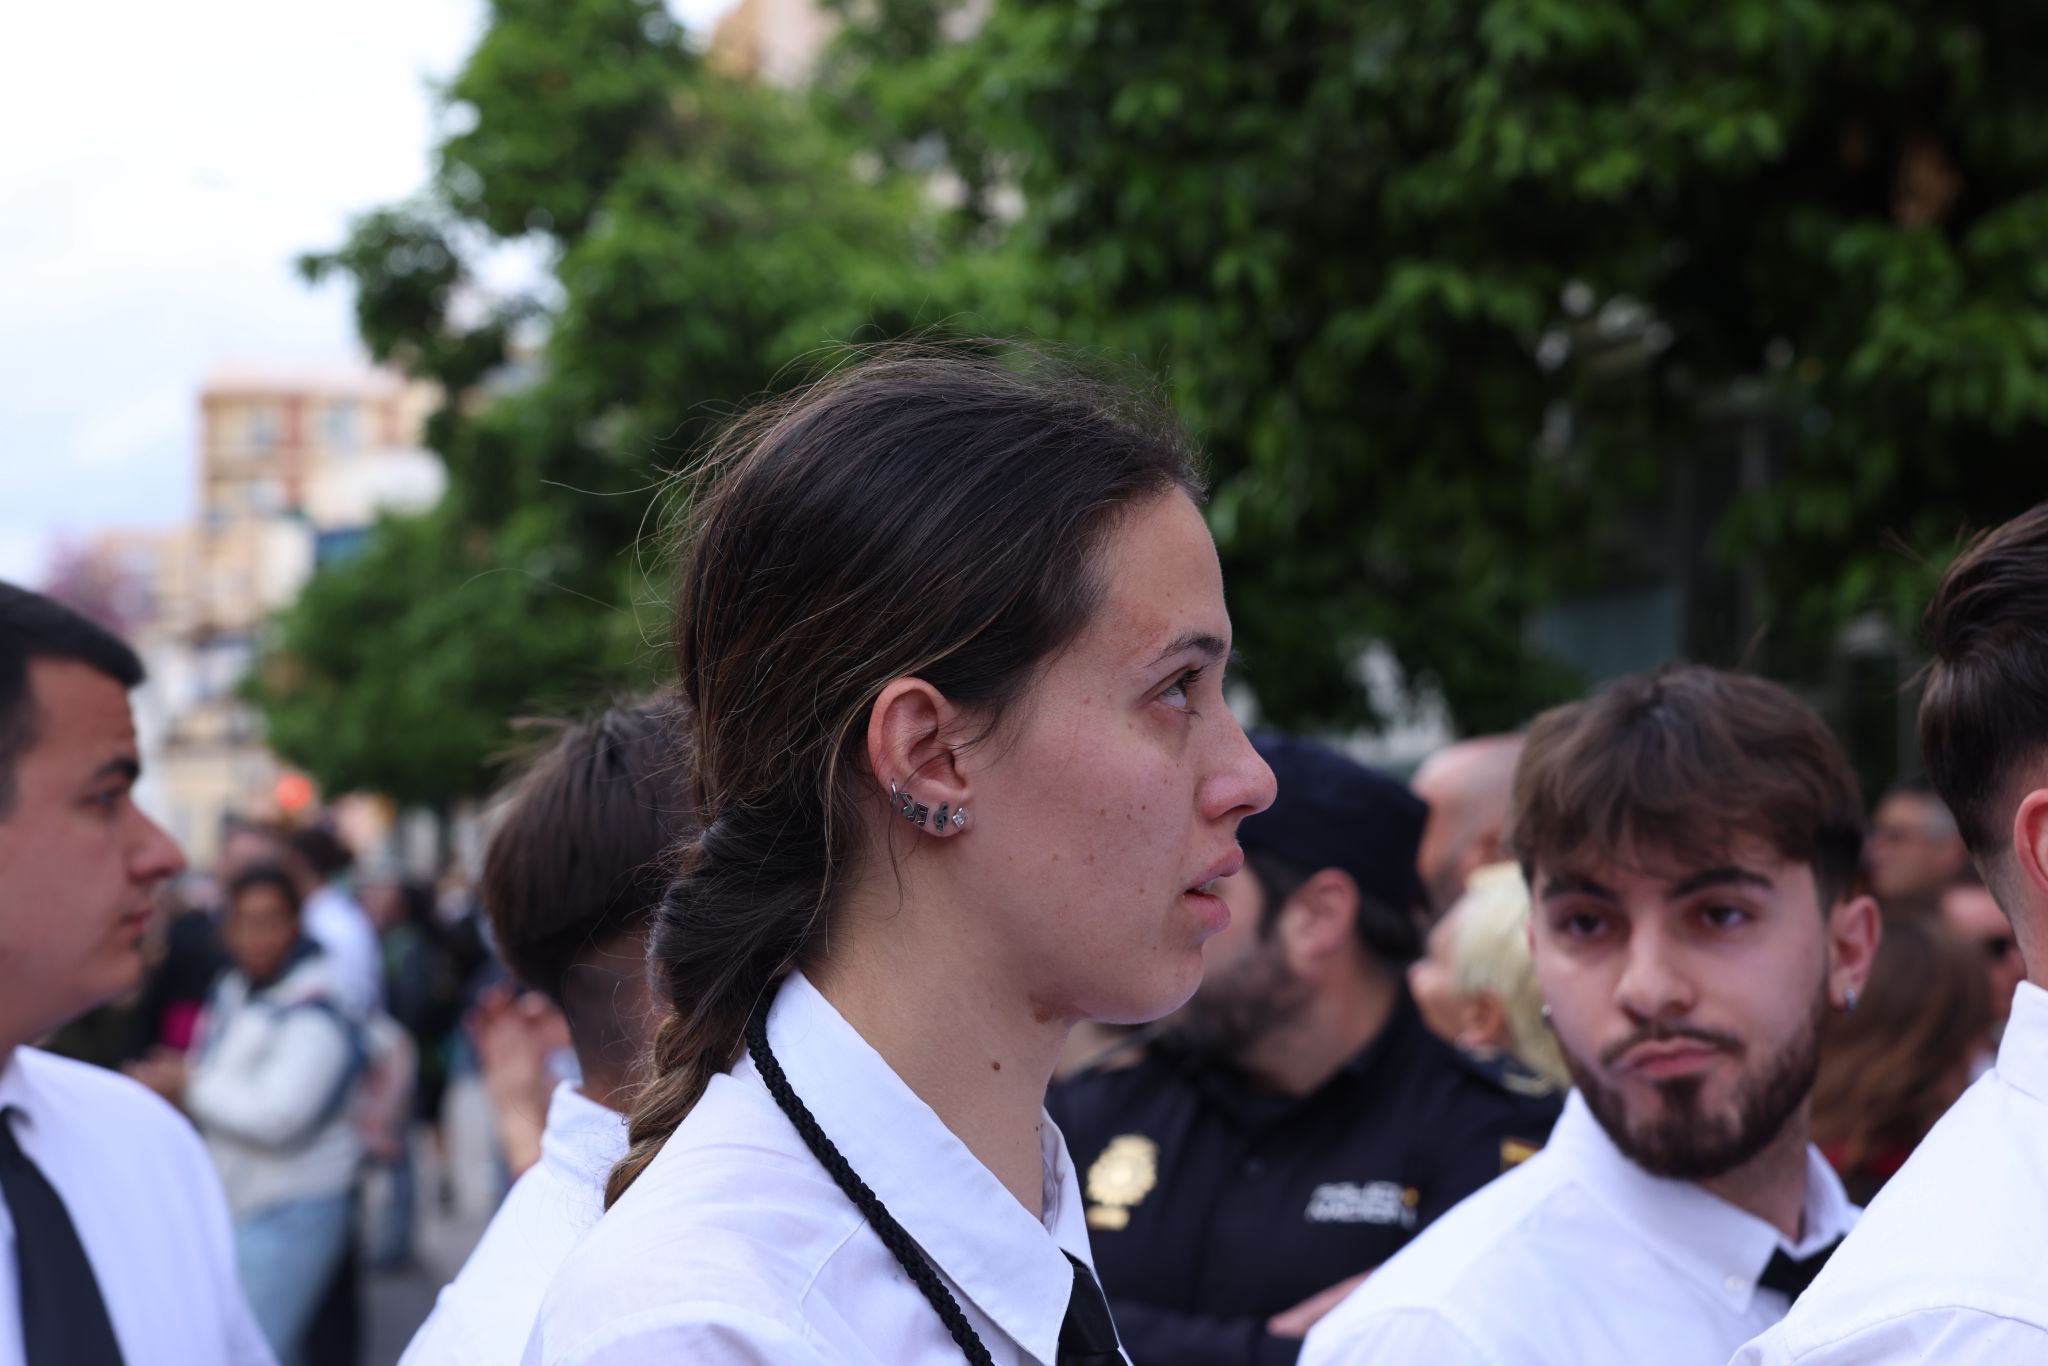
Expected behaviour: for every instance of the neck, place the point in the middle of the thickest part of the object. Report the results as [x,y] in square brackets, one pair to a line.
[1297,1057]
[1772,1185]
[609,1088]
[957,1031]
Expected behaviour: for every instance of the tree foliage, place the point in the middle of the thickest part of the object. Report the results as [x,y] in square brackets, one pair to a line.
[1475,304]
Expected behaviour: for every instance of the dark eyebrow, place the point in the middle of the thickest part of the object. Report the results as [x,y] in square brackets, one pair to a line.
[1726,876]
[1570,884]
[1200,641]
[124,764]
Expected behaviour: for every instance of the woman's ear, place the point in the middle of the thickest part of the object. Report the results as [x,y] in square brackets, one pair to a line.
[911,733]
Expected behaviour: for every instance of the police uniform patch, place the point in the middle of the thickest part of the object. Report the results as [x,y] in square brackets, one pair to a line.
[1515,1151]
[1123,1175]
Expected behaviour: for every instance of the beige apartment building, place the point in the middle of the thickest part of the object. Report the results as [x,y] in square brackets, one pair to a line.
[294,468]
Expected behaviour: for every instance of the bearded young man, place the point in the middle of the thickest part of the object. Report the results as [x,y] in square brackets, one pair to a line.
[1691,838]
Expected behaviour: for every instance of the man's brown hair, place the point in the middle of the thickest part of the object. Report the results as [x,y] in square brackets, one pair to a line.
[582,853]
[1984,713]
[1684,760]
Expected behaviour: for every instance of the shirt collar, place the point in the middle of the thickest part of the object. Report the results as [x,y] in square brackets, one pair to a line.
[2023,1051]
[583,1138]
[1723,1248]
[15,1091]
[1011,1265]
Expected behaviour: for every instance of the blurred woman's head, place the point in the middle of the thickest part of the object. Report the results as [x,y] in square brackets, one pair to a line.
[262,922]
[1891,1067]
[1476,984]
[952,635]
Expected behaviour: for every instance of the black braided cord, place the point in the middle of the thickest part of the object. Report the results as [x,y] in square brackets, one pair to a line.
[892,1233]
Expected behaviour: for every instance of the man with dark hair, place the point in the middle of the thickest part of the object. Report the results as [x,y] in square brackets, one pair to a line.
[1691,841]
[115,1232]
[1947,1267]
[1915,849]
[1303,1122]
[571,877]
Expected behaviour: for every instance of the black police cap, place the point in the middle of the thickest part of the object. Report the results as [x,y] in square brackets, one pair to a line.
[1333,812]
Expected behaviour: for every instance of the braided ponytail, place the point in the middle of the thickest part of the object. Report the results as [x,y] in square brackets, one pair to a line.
[922,512]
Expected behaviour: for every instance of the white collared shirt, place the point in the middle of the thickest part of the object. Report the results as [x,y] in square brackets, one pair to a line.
[735,1246]
[148,1209]
[1948,1266]
[1578,1257]
[483,1316]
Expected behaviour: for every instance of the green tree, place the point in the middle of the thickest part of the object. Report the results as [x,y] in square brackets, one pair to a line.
[1477,303]
[704,234]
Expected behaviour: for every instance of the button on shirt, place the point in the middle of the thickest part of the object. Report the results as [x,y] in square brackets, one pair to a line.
[148,1209]
[1214,1205]
[485,1314]
[1579,1258]
[1948,1266]
[735,1246]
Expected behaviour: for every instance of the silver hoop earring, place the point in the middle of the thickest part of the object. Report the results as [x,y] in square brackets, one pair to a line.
[1546,1013]
[1848,1000]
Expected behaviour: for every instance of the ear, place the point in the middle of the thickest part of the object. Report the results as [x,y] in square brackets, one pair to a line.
[2030,855]
[1319,923]
[1485,1025]
[911,731]
[1854,929]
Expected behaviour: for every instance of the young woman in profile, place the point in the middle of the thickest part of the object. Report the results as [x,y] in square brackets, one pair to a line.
[953,640]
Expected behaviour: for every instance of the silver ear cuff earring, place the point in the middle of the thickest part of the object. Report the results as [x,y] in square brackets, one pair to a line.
[1848,1000]
[947,820]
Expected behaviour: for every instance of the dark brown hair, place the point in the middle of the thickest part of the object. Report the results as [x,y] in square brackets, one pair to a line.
[1984,712]
[34,627]
[922,513]
[1925,1008]
[580,856]
[1684,759]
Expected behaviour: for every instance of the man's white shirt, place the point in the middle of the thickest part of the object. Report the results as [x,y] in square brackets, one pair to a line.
[137,1185]
[1578,1257]
[1951,1263]
[735,1246]
[483,1316]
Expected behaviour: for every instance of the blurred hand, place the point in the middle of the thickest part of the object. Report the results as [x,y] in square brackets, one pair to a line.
[1295,1322]
[164,1071]
[515,1033]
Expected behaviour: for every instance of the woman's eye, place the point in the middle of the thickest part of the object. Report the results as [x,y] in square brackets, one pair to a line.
[1178,692]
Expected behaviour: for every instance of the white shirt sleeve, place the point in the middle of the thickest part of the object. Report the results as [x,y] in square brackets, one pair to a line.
[273,1096]
[1953,1337]
[1392,1335]
[703,1334]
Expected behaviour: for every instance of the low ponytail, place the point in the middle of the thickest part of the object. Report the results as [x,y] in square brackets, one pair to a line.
[926,512]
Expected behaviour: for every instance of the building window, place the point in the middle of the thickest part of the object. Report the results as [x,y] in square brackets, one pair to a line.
[263,427]
[344,423]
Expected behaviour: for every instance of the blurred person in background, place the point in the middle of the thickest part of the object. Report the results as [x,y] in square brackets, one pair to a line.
[1692,840]
[1301,1124]
[570,878]
[1914,851]
[1971,911]
[423,993]
[336,921]
[1476,983]
[1947,1267]
[1466,786]
[1894,1065]
[114,1237]
[272,1083]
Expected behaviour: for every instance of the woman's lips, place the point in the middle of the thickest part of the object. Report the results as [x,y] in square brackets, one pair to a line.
[1212,913]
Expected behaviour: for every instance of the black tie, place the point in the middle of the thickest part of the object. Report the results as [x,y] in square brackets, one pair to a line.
[1087,1336]
[1791,1275]
[63,1319]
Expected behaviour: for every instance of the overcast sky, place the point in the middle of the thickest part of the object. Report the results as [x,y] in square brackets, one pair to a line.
[163,165]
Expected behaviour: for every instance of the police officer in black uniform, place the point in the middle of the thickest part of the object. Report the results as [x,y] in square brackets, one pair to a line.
[1297,1124]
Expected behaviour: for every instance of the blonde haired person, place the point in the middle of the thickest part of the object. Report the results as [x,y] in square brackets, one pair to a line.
[1476,984]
